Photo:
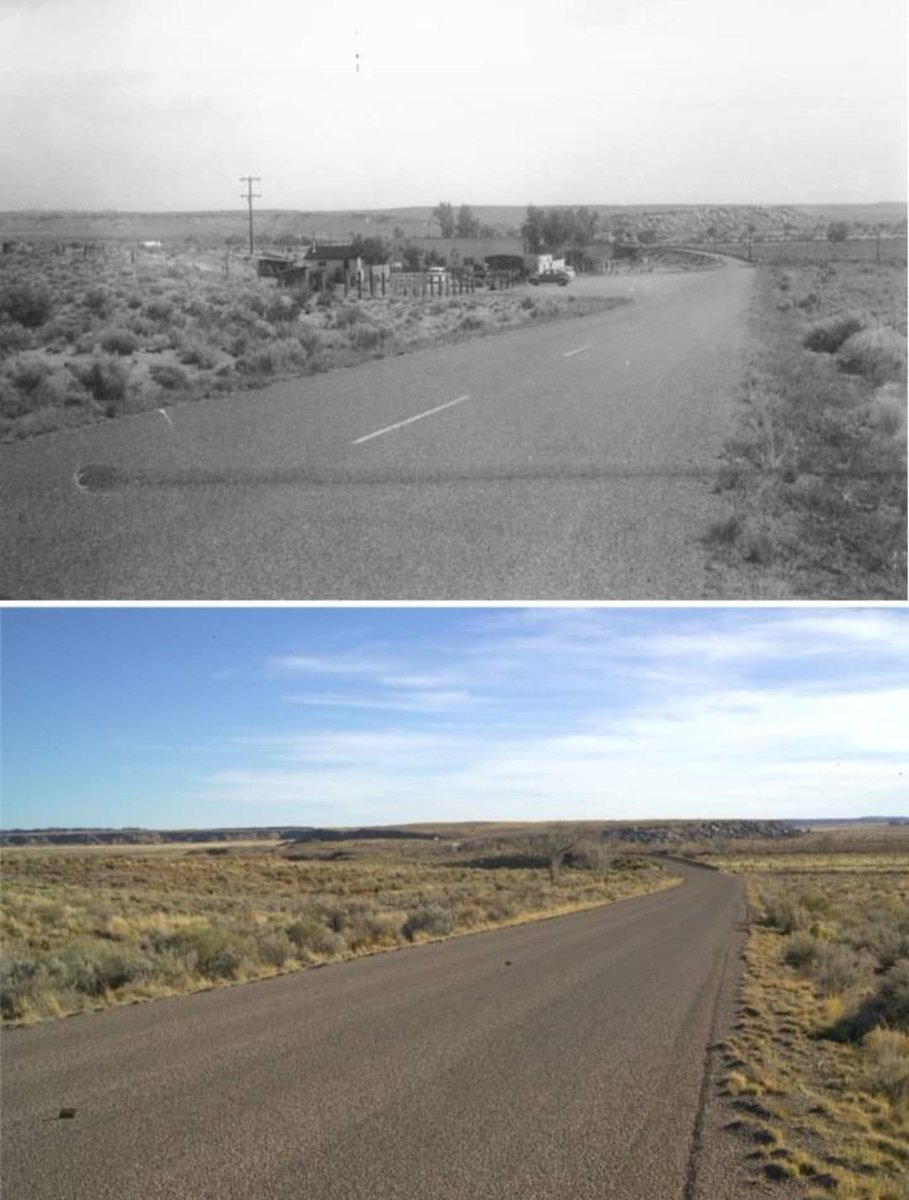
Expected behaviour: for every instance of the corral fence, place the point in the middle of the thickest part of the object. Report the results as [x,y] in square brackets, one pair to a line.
[426,284]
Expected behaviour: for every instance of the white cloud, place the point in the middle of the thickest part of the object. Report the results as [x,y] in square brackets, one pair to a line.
[745,751]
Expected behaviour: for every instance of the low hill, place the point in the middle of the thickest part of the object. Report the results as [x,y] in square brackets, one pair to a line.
[667,223]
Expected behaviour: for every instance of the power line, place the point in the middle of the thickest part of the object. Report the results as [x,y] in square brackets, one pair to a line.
[249,196]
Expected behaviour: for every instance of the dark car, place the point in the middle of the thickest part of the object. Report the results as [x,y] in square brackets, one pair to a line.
[558,277]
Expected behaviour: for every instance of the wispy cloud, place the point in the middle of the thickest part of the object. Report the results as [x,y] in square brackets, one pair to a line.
[413,702]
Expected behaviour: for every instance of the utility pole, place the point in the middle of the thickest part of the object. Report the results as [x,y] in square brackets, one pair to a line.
[249,196]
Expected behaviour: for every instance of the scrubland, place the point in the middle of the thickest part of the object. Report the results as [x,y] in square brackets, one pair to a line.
[86,928]
[815,473]
[122,331]
[816,1071]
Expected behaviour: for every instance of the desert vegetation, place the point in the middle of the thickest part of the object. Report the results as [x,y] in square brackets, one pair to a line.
[816,1071]
[815,474]
[89,927]
[84,337]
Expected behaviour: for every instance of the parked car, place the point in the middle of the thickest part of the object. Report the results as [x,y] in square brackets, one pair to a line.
[558,277]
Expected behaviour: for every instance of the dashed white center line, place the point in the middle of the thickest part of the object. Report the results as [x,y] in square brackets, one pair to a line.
[580,350]
[400,424]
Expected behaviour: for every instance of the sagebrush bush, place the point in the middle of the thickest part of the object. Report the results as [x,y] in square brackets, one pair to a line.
[801,950]
[828,335]
[437,920]
[27,374]
[168,376]
[886,1056]
[14,337]
[887,411]
[28,304]
[99,300]
[368,337]
[313,935]
[119,341]
[877,354]
[159,309]
[886,937]
[892,1000]
[838,968]
[194,353]
[104,378]
[208,950]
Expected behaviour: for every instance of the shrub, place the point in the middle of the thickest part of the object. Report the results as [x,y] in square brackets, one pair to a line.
[437,920]
[887,411]
[99,301]
[29,304]
[274,948]
[470,322]
[828,335]
[893,997]
[723,532]
[208,951]
[350,314]
[64,328]
[104,378]
[168,376]
[119,341]
[310,339]
[27,374]
[883,938]
[368,337]
[801,950]
[159,310]
[785,914]
[837,968]
[877,354]
[95,967]
[373,929]
[311,934]
[14,337]
[194,353]
[886,1054]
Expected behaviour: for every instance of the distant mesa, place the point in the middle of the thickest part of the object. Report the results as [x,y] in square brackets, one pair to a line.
[650,833]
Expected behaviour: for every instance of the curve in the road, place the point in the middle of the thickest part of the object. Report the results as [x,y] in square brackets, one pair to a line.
[563,1058]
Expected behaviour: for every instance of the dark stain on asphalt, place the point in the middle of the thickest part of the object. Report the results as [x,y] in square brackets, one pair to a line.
[111,479]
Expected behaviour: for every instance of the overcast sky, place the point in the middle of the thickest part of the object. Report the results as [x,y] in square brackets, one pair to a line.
[163,104]
[202,717]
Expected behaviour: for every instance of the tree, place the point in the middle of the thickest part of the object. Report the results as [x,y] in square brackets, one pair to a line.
[838,231]
[412,257]
[587,224]
[372,250]
[444,214]
[467,224]
[532,229]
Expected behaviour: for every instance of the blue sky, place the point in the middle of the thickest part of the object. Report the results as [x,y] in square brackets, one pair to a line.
[162,105]
[182,717]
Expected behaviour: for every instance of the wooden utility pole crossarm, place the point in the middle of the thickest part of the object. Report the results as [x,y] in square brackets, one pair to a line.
[249,196]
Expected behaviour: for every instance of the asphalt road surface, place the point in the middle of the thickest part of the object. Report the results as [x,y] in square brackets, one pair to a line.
[570,460]
[558,1059]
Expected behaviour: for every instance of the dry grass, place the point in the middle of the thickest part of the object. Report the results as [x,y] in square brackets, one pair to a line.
[818,1056]
[122,331]
[817,467]
[88,928]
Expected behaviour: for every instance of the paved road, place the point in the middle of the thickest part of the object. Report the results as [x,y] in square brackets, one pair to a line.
[569,460]
[560,1059]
